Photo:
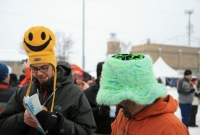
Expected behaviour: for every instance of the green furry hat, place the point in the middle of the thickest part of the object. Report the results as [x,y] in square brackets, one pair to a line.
[129,76]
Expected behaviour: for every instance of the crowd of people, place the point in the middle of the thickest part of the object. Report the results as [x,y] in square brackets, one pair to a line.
[124,98]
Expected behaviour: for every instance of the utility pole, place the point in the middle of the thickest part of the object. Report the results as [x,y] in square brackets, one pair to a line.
[83,40]
[189,27]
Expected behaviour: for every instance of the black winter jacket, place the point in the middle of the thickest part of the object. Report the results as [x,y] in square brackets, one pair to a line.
[69,100]
[6,91]
[103,122]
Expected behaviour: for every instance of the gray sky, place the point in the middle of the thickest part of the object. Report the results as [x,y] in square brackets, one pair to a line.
[163,21]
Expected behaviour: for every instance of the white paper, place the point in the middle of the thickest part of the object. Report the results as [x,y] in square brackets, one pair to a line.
[33,106]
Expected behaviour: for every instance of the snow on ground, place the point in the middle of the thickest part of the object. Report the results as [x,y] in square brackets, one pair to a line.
[192,130]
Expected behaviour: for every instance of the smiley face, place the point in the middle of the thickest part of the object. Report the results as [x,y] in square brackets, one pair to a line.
[38,47]
[38,38]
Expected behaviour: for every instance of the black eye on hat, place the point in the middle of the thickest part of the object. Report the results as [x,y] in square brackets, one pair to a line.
[30,36]
[43,36]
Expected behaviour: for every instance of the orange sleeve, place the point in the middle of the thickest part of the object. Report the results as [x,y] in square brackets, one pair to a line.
[114,128]
[27,78]
[114,125]
[27,74]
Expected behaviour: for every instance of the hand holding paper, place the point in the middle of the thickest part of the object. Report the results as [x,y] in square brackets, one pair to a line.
[29,120]
[33,107]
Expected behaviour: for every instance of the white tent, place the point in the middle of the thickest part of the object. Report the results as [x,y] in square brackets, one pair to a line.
[161,69]
[9,69]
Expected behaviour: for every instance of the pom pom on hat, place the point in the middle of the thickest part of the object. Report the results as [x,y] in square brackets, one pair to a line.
[129,76]
[3,71]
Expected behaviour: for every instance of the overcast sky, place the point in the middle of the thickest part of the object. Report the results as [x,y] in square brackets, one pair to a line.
[162,21]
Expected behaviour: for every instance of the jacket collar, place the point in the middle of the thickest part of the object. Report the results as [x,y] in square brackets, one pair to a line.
[4,85]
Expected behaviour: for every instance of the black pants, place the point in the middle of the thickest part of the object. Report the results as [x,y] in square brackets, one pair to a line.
[193,115]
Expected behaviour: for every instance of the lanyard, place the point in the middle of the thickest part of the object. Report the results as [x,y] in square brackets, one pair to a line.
[48,97]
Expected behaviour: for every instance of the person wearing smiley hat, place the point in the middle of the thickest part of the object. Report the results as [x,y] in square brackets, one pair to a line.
[66,110]
[127,80]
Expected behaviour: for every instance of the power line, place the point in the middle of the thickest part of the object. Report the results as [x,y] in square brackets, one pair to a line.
[74,24]
[88,27]
[131,7]
[42,18]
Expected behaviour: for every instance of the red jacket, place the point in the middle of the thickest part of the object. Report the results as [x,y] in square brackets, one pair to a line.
[156,119]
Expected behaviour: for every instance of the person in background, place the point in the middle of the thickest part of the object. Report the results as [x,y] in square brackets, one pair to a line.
[128,80]
[159,80]
[87,78]
[195,103]
[79,80]
[66,110]
[26,71]
[6,91]
[21,77]
[101,112]
[186,96]
[13,80]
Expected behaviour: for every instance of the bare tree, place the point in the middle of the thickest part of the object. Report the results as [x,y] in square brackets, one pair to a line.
[124,47]
[118,47]
[63,46]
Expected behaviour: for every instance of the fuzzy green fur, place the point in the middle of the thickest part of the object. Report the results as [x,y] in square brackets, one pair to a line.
[129,79]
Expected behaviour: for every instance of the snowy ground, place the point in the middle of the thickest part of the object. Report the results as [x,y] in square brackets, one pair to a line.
[193,131]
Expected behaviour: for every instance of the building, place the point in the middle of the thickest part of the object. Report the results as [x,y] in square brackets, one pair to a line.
[13,59]
[177,57]
[113,45]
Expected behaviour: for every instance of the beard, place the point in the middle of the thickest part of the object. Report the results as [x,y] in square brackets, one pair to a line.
[126,113]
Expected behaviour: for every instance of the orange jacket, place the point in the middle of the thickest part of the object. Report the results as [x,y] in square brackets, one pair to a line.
[27,78]
[156,119]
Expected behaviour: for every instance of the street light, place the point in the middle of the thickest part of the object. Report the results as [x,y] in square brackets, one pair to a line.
[190,27]
[83,40]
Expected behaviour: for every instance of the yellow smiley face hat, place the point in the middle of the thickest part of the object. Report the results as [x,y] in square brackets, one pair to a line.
[39,43]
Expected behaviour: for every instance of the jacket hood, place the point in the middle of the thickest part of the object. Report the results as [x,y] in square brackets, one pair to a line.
[64,76]
[160,106]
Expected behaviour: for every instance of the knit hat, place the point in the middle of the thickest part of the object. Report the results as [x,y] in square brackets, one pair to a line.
[129,76]
[187,72]
[3,71]
[79,75]
[39,43]
[99,68]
